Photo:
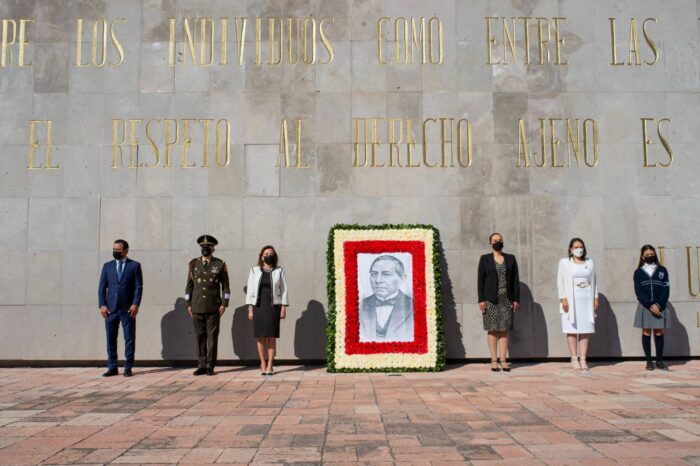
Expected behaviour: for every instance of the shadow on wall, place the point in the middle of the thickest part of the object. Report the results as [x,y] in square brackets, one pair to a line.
[605,342]
[177,334]
[454,340]
[310,333]
[244,343]
[529,338]
[676,342]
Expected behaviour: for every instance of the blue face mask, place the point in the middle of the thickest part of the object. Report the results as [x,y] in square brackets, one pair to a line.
[269,260]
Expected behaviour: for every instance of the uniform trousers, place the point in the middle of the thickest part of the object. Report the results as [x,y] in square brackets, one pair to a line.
[206,329]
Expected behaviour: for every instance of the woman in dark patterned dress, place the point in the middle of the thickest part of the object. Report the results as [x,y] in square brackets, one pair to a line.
[499,296]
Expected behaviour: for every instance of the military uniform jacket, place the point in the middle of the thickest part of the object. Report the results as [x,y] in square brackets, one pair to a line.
[207,285]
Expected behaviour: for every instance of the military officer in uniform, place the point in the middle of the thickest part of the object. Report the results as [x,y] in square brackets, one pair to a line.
[207,296]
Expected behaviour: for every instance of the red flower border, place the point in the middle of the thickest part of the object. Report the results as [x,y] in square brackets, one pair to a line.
[419,345]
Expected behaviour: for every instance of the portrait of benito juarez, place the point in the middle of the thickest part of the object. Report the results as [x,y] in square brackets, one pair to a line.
[387,314]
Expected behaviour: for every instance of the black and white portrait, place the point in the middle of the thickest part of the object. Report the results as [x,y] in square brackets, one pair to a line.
[386,297]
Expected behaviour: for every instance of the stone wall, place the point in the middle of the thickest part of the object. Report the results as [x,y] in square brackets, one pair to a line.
[58,225]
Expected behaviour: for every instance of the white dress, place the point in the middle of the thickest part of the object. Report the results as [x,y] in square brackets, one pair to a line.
[582,307]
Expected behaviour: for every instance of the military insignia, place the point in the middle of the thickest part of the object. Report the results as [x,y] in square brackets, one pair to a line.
[215,270]
[196,269]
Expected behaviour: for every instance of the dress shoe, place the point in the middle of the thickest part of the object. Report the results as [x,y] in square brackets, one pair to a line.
[661,365]
[650,366]
[200,371]
[505,367]
[110,373]
[127,373]
[210,371]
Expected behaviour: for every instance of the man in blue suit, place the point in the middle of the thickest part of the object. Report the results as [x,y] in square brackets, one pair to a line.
[119,295]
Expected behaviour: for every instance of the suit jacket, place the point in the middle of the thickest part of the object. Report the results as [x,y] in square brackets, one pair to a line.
[118,294]
[399,327]
[487,282]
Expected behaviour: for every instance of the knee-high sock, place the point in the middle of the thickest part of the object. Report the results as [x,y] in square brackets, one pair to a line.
[659,343]
[646,344]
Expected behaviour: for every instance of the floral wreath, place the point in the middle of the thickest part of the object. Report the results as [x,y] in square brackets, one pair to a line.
[346,352]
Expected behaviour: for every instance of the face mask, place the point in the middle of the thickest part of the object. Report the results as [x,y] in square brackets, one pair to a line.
[268,260]
[206,251]
[578,252]
[117,255]
[650,259]
[497,246]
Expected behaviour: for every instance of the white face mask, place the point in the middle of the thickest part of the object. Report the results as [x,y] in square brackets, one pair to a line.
[577,252]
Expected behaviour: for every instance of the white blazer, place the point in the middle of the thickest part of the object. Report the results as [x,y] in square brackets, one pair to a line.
[565,286]
[279,286]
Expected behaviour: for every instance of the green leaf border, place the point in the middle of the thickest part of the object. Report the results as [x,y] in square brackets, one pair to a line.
[332,311]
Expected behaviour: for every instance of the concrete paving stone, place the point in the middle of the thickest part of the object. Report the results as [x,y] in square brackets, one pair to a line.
[309,416]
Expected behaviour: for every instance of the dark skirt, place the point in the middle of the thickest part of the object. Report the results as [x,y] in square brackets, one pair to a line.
[266,321]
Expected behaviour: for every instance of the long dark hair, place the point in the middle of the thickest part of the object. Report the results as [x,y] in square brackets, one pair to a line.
[571,245]
[645,248]
[275,258]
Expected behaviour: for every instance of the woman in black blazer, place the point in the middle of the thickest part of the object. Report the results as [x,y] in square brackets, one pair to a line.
[499,297]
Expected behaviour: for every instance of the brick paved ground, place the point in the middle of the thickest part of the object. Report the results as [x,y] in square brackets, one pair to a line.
[539,414]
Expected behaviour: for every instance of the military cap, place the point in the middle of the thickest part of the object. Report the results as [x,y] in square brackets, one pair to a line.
[207,240]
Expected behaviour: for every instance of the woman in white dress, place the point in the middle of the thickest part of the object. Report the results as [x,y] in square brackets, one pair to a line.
[578,297]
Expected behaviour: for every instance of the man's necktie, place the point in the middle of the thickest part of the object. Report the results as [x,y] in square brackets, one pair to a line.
[120,268]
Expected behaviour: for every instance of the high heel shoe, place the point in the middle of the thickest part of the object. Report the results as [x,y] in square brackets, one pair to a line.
[574,363]
[584,366]
[494,366]
[505,367]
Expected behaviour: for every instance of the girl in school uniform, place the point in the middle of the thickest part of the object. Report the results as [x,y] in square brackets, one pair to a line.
[651,285]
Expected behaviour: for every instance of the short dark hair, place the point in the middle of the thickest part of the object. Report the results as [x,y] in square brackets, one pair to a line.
[571,245]
[645,248]
[275,258]
[398,265]
[123,242]
[494,234]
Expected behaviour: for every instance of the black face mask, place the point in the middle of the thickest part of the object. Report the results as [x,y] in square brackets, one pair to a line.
[497,246]
[269,260]
[650,259]
[206,251]
[117,255]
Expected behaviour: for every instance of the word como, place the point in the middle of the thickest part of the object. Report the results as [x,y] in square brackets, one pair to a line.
[412,35]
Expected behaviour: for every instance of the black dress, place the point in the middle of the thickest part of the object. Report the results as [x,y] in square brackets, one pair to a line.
[266,317]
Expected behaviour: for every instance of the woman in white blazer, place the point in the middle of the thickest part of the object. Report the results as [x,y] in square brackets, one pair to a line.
[578,300]
[266,297]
